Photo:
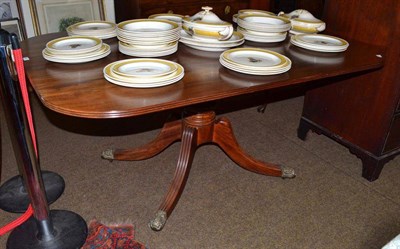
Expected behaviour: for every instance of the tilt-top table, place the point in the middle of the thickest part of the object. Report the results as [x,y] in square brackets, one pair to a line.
[80,90]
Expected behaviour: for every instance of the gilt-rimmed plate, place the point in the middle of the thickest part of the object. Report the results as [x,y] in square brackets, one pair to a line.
[76,60]
[142,82]
[147,25]
[320,43]
[74,44]
[144,68]
[255,58]
[168,16]
[93,27]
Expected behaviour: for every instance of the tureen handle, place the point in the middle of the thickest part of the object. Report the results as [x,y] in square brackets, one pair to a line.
[226,33]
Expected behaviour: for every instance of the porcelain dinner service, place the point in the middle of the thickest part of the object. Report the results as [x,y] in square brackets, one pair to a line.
[99,29]
[148,37]
[160,34]
[75,49]
[255,61]
[319,42]
[143,72]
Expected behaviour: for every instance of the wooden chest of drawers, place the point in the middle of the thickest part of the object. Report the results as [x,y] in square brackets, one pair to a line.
[362,112]
[131,9]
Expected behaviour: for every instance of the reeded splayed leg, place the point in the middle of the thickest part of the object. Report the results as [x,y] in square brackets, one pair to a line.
[225,138]
[186,154]
[170,133]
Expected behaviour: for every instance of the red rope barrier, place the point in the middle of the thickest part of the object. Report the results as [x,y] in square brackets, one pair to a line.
[15,223]
[19,64]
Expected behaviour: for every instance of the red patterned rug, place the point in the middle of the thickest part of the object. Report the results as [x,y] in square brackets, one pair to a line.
[101,236]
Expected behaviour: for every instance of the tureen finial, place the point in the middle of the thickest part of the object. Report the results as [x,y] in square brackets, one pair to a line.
[206,8]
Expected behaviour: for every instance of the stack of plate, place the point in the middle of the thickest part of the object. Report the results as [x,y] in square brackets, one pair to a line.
[205,44]
[320,43]
[251,11]
[99,29]
[75,49]
[263,28]
[168,16]
[148,37]
[143,73]
[255,61]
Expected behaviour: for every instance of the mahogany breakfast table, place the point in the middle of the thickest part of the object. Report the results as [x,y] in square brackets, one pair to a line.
[80,90]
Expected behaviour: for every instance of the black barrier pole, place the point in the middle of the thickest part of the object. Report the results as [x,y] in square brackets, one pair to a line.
[47,229]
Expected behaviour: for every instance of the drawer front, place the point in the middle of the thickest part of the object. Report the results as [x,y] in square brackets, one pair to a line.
[224,9]
[393,139]
[132,9]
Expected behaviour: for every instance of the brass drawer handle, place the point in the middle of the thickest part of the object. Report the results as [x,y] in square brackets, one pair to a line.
[227,9]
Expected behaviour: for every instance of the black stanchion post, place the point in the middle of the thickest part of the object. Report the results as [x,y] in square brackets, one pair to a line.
[47,229]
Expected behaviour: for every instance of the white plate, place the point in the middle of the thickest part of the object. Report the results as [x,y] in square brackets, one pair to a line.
[168,16]
[104,49]
[74,44]
[144,68]
[254,72]
[147,25]
[335,44]
[321,40]
[79,60]
[255,58]
[145,53]
[143,82]
[93,27]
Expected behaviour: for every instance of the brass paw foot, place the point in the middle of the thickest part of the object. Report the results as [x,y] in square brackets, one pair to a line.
[159,221]
[108,154]
[287,173]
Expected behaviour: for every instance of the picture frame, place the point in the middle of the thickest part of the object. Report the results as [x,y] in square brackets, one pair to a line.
[9,9]
[50,16]
[13,25]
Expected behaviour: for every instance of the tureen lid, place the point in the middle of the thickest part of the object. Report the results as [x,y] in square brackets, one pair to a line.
[206,16]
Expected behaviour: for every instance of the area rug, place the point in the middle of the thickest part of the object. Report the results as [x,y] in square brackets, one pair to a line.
[102,236]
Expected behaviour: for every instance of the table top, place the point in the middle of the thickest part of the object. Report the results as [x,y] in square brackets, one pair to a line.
[81,90]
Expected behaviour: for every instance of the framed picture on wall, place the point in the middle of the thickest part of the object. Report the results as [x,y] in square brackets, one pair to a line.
[56,15]
[13,25]
[11,16]
[8,9]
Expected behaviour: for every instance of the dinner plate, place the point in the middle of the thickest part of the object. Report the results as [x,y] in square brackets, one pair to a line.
[93,27]
[147,25]
[168,16]
[263,23]
[104,49]
[74,44]
[77,60]
[143,82]
[320,43]
[147,53]
[255,72]
[255,58]
[144,68]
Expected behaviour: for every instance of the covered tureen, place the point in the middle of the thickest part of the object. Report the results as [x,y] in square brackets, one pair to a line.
[206,24]
[303,21]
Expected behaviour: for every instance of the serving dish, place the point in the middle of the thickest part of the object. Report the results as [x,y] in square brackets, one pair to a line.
[206,24]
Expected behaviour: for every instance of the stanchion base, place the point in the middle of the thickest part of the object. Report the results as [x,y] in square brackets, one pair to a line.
[70,233]
[14,197]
